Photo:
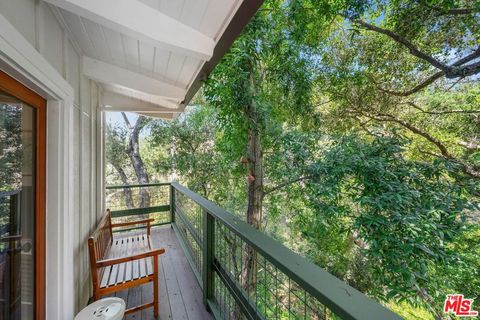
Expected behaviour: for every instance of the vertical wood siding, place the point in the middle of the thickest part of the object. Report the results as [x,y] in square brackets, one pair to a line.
[39,25]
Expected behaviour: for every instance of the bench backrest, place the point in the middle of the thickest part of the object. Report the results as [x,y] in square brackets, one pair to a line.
[99,243]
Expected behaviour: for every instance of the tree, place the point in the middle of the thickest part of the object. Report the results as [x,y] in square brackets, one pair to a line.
[123,147]
[371,73]
[133,151]
[377,187]
[189,148]
[116,155]
[402,214]
[256,75]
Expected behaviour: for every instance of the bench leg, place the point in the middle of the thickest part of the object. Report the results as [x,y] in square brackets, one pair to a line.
[155,287]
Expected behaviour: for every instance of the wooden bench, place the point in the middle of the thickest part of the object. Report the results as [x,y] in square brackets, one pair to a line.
[123,261]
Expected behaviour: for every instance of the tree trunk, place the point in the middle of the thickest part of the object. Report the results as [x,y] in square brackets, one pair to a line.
[255,197]
[133,151]
[255,182]
[127,192]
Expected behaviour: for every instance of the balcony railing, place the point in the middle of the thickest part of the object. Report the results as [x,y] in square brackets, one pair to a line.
[134,201]
[243,273]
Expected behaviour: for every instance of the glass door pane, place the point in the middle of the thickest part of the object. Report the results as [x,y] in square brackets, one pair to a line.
[17,208]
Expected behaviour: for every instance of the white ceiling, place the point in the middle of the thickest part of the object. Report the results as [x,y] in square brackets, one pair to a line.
[123,54]
[203,15]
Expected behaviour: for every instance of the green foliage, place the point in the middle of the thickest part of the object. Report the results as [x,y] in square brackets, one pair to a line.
[465,274]
[403,214]
[116,146]
[368,175]
[409,312]
[11,154]
[189,149]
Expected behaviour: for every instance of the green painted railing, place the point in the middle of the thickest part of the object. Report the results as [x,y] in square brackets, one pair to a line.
[147,200]
[244,274]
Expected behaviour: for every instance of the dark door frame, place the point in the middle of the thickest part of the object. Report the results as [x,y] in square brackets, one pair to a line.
[18,90]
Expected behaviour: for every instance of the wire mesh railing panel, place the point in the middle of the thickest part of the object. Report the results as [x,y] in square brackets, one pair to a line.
[189,222]
[119,198]
[191,211]
[136,202]
[227,306]
[267,292]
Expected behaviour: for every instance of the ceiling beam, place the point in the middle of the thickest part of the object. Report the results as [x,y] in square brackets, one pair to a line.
[135,19]
[164,116]
[111,101]
[146,97]
[109,74]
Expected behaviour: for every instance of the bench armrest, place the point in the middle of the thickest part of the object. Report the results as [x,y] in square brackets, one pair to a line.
[109,262]
[130,223]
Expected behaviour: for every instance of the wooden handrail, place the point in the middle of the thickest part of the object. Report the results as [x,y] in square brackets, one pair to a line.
[126,186]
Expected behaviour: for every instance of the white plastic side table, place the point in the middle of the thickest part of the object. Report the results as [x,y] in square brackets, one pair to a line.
[104,309]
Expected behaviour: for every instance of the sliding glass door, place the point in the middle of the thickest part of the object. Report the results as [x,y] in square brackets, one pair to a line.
[20,177]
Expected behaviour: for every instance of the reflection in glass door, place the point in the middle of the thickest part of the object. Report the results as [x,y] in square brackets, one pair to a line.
[17,208]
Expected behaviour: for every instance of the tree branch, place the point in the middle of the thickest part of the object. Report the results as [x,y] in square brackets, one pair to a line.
[127,122]
[470,145]
[452,11]
[472,56]
[441,147]
[286,183]
[467,168]
[417,88]
[467,69]
[415,106]
[399,39]
[450,71]
[459,11]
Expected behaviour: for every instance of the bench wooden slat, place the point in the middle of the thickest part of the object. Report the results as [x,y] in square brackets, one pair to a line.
[129,271]
[105,276]
[112,279]
[135,269]
[142,270]
[121,267]
[149,263]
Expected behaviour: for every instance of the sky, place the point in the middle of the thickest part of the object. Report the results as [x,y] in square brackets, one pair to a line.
[117,118]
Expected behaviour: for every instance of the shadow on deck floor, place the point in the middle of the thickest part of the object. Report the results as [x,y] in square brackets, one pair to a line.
[180,293]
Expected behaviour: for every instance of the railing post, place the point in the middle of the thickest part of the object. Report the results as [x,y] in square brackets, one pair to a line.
[208,255]
[172,204]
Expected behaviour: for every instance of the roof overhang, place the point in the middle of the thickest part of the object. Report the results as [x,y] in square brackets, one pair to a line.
[151,56]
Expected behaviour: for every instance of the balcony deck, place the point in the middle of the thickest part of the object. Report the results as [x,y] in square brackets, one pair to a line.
[214,243]
[180,293]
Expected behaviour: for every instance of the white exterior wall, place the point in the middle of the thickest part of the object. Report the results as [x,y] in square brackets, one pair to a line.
[38,24]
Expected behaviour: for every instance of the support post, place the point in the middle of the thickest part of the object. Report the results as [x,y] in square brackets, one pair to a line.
[172,204]
[208,255]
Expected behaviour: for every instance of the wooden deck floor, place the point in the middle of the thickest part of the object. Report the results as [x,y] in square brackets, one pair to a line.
[180,294]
